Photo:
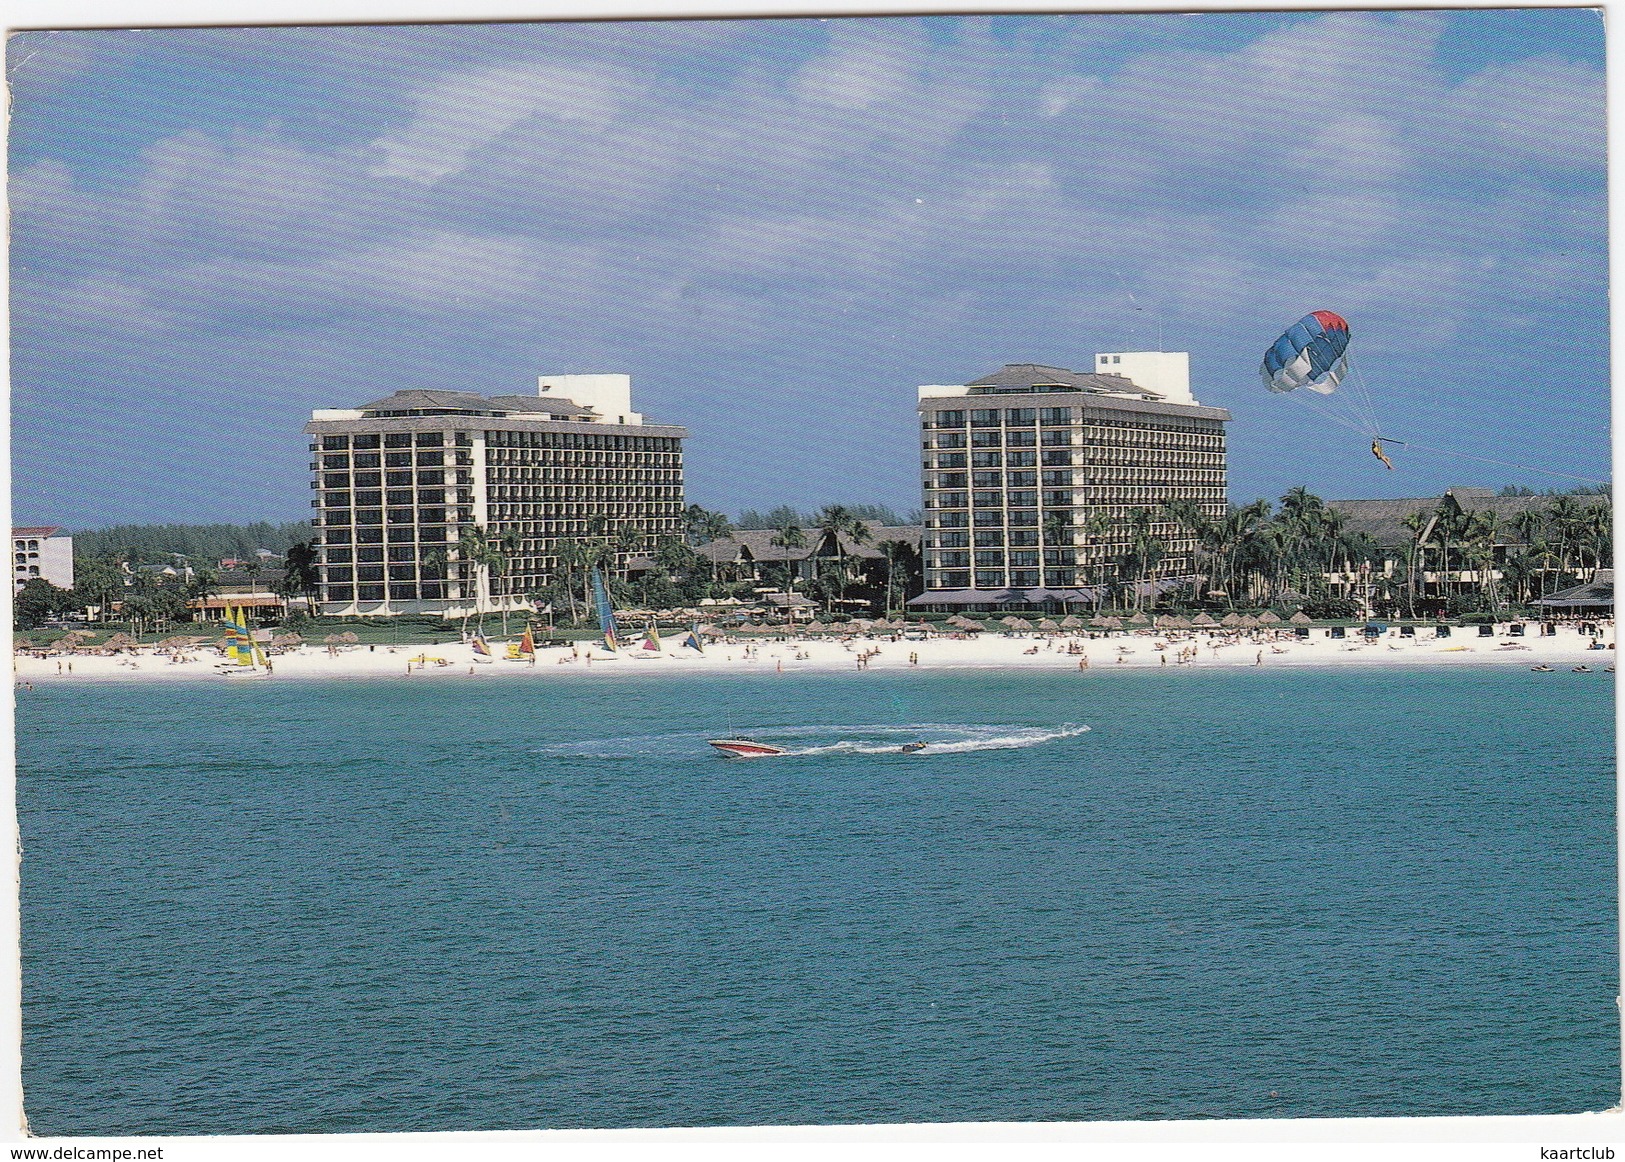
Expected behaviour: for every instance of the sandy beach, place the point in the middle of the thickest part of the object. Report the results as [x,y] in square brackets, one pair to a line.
[1563,650]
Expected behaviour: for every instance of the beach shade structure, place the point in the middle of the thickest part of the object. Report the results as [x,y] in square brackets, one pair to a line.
[711,631]
[1300,618]
[1099,622]
[1071,621]
[120,641]
[21,643]
[1247,621]
[1020,623]
[1114,623]
[1049,625]
[815,626]
[1268,618]
[348,637]
[1204,621]
[1138,618]
[1230,619]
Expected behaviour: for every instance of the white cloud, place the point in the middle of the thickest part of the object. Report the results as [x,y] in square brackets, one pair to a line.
[458,116]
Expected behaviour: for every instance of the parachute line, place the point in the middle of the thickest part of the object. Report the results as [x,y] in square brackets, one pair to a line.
[1486,460]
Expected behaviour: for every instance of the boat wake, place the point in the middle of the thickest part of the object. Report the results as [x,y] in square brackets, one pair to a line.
[866,739]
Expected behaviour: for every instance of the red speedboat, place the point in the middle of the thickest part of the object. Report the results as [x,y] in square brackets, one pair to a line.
[744,748]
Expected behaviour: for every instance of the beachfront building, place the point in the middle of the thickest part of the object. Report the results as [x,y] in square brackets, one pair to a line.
[44,552]
[1040,482]
[1474,542]
[754,554]
[404,482]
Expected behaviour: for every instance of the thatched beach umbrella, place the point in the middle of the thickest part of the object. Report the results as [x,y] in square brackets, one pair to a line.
[1099,622]
[1009,621]
[1114,623]
[1268,618]
[1203,620]
[1071,622]
[1019,623]
[1139,618]
[1230,619]
[332,639]
[1300,618]
[1049,625]
[815,627]
[1247,621]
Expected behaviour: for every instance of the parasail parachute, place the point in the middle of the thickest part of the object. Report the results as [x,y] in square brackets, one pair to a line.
[1311,354]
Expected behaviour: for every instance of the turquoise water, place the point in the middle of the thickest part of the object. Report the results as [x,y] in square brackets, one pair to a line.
[435,905]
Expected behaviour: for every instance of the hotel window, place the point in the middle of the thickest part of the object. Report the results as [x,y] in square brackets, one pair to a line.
[431,439]
[987,479]
[951,419]
[984,418]
[367,460]
[398,440]
[335,462]
[950,480]
[397,459]
[338,556]
[1025,517]
[956,580]
[989,540]
[986,500]
[335,443]
[1055,415]
[399,496]
[368,479]
[1057,439]
[951,460]
[993,558]
[336,480]
[986,459]
[1022,439]
[369,556]
[1019,415]
[369,592]
[990,579]
[369,516]
[340,593]
[1022,479]
[987,439]
[369,498]
[1057,497]
[1023,499]
[1023,558]
[339,573]
[985,519]
[950,500]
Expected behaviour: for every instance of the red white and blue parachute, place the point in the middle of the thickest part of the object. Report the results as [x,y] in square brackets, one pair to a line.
[1311,354]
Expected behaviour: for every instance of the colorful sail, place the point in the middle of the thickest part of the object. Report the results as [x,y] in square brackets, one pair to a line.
[481,646]
[527,644]
[606,611]
[239,644]
[651,640]
[692,641]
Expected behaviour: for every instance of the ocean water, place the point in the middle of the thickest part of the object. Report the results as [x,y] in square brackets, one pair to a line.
[518,902]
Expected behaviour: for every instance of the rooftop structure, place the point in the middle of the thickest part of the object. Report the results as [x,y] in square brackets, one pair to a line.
[401,481]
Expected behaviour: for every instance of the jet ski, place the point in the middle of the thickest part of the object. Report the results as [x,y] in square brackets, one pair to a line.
[911,747]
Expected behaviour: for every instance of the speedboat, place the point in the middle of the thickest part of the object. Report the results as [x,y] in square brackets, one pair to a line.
[1581,670]
[1543,669]
[910,747]
[745,748]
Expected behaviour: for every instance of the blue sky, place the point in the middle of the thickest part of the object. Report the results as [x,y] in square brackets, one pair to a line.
[781,227]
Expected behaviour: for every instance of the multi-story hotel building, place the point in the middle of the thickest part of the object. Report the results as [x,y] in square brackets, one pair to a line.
[398,481]
[1033,475]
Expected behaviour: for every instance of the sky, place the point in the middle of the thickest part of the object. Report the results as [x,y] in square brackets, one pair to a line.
[780,228]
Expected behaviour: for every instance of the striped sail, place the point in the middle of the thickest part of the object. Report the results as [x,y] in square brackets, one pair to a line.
[606,611]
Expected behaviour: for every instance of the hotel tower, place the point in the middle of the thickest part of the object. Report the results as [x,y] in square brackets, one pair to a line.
[399,480]
[1032,478]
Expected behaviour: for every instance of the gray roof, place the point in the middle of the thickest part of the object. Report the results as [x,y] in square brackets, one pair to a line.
[417,399]
[757,544]
[1384,520]
[1596,593]
[1035,376]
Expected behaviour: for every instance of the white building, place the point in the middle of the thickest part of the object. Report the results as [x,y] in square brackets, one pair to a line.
[45,552]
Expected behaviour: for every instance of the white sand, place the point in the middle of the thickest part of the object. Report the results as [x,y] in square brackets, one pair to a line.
[1119,651]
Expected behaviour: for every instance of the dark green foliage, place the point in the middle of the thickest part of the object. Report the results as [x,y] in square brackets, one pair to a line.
[39,600]
[154,544]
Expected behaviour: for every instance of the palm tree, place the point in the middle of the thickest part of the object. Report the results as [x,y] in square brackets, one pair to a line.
[789,535]
[902,564]
[703,526]
[834,522]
